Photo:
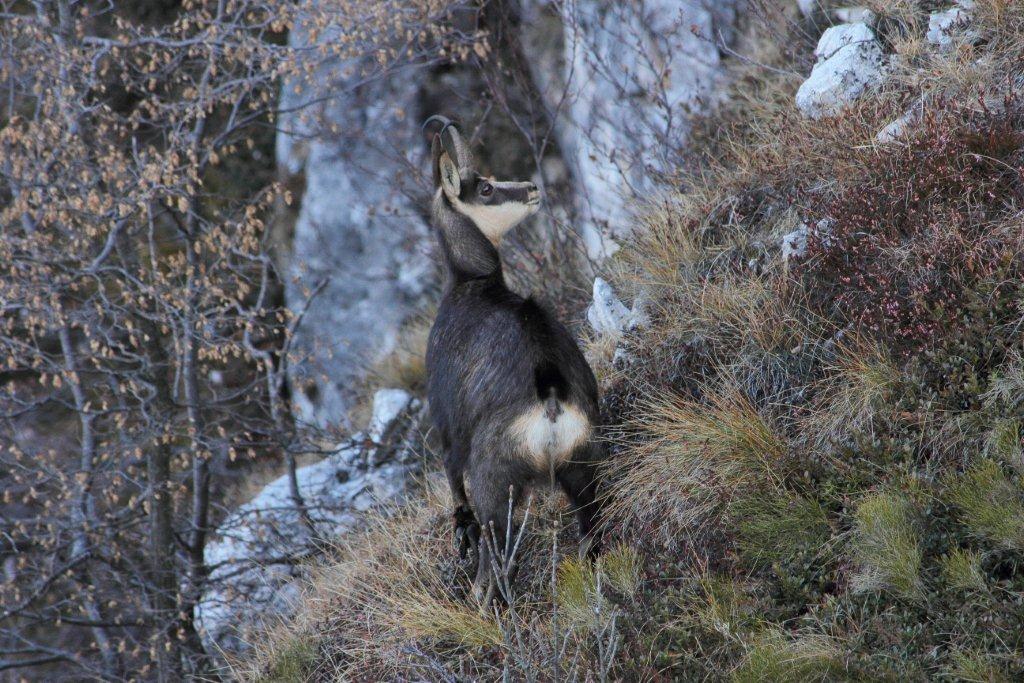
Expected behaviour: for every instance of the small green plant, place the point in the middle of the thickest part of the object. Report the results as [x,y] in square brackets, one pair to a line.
[580,584]
[720,604]
[294,663]
[886,546]
[992,505]
[576,592]
[1003,442]
[961,570]
[621,565]
[776,656]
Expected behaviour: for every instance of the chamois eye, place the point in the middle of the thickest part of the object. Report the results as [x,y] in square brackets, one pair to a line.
[486,189]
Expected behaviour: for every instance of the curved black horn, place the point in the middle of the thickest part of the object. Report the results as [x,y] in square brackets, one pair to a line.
[445,121]
[451,140]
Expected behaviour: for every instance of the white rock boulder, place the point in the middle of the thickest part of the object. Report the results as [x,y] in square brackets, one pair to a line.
[851,63]
[852,15]
[840,36]
[899,128]
[808,7]
[256,555]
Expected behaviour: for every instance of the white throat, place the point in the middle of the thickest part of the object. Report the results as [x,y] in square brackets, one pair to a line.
[495,221]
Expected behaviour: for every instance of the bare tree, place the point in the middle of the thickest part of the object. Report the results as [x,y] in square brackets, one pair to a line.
[143,337]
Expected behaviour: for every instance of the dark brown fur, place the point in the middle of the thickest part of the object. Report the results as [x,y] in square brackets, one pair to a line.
[492,356]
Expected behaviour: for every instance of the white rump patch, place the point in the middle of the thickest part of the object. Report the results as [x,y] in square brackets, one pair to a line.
[549,443]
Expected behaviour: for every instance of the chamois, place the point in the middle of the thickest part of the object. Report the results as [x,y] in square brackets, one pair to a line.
[511,396]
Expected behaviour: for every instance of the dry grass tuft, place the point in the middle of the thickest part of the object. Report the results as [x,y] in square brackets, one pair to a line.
[856,391]
[687,451]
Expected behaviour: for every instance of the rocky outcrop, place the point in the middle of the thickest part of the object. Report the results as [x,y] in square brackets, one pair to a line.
[632,73]
[850,63]
[610,319]
[358,235]
[259,551]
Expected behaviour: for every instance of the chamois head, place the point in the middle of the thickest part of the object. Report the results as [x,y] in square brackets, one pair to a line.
[494,206]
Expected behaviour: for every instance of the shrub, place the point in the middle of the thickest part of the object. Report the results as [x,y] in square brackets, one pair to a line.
[919,250]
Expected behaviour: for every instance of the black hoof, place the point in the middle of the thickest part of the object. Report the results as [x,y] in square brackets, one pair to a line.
[467,530]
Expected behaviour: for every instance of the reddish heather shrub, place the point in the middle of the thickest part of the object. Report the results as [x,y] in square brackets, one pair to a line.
[928,245]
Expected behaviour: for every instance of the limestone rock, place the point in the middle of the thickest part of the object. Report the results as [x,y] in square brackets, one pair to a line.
[851,63]
[794,244]
[900,127]
[358,232]
[613,133]
[840,36]
[254,558]
[808,7]
[852,15]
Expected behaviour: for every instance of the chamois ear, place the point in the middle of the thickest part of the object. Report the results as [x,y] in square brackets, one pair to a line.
[450,181]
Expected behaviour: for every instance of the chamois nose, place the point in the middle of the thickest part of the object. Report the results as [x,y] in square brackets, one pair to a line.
[532,193]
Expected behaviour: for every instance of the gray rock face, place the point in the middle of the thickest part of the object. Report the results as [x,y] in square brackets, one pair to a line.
[850,63]
[607,315]
[633,72]
[358,232]
[388,404]
[256,555]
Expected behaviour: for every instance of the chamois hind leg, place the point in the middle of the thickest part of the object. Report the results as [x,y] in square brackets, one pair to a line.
[467,530]
[578,478]
[495,487]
